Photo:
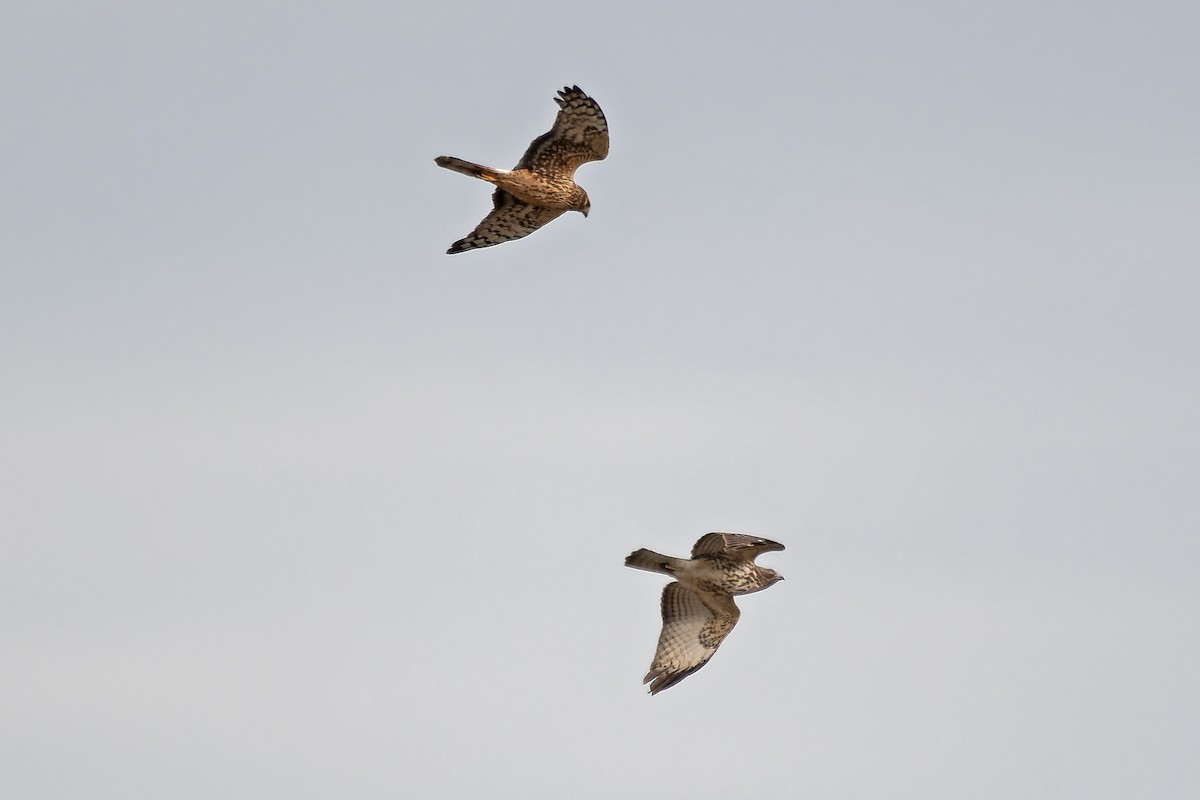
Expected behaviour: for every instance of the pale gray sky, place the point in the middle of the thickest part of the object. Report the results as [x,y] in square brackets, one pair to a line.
[297,506]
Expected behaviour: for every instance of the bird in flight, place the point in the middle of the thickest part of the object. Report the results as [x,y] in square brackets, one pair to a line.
[541,187]
[698,611]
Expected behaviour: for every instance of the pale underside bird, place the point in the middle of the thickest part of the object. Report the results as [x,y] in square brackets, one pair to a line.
[541,187]
[698,611]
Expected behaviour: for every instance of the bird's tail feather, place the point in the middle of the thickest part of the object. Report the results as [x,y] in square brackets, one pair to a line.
[651,561]
[467,167]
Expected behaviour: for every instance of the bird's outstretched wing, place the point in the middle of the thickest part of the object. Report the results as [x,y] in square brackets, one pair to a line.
[509,219]
[579,135]
[733,545]
[694,625]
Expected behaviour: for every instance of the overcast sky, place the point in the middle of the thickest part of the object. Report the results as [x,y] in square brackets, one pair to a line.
[294,505]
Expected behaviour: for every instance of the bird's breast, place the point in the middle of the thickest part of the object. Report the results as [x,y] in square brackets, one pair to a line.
[537,190]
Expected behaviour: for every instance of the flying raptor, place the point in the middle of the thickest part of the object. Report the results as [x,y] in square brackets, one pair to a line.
[541,187]
[698,611]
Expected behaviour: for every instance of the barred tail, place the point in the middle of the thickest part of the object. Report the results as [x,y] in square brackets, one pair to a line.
[467,168]
[651,561]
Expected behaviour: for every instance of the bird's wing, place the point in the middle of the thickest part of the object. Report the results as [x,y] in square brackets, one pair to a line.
[579,135]
[733,545]
[509,219]
[694,625]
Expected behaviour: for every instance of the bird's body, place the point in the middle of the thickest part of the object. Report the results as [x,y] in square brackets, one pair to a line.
[541,187]
[548,192]
[698,611]
[706,574]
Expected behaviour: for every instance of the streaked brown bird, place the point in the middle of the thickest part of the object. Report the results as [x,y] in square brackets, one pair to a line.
[698,611]
[541,187]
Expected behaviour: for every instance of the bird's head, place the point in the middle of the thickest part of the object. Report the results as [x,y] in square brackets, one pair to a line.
[771,575]
[583,203]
